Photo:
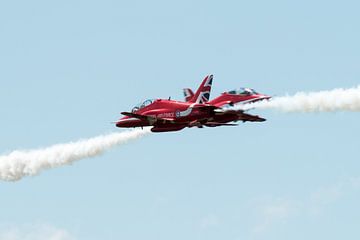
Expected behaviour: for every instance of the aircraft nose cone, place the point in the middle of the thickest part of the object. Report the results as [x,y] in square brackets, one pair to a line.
[121,123]
[265,97]
[268,97]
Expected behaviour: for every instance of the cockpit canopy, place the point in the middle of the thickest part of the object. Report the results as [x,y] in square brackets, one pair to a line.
[142,105]
[243,91]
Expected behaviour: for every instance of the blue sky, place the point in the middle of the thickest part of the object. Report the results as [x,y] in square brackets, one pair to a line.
[69,67]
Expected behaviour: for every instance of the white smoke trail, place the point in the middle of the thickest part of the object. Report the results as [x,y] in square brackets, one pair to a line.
[322,101]
[18,164]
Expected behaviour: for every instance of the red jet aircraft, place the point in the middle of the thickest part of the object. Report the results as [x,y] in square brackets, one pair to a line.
[167,115]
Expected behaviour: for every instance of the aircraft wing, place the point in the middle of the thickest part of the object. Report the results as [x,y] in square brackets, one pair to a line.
[242,116]
[217,124]
[151,119]
[206,108]
[250,118]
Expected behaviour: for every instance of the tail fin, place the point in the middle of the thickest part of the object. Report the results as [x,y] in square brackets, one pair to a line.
[188,94]
[202,95]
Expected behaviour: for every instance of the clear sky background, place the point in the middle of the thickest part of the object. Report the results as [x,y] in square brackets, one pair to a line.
[68,68]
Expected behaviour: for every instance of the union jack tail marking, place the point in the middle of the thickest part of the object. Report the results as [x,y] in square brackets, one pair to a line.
[202,95]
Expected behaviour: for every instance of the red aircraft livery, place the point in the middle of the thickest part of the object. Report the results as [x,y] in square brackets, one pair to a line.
[167,115]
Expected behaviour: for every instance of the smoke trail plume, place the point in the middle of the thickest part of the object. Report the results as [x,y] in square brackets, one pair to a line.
[323,101]
[18,164]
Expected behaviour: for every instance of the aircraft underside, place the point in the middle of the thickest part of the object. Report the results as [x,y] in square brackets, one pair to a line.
[214,121]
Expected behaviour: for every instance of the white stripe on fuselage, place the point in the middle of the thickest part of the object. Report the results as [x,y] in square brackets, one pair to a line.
[187,112]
